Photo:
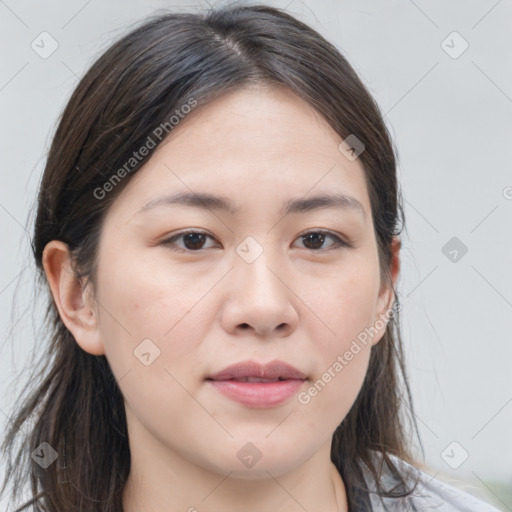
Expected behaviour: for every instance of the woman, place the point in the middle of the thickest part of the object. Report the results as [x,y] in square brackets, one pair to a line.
[218,229]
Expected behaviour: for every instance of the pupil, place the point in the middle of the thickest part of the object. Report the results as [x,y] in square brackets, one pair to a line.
[193,237]
[318,236]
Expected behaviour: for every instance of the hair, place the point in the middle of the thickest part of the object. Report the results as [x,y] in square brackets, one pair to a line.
[135,86]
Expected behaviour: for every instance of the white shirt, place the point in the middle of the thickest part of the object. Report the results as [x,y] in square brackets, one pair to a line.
[430,494]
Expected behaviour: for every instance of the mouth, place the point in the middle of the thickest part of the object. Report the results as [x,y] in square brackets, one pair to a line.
[261,386]
[273,371]
[254,379]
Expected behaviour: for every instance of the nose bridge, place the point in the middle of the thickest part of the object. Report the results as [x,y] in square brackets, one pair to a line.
[257,264]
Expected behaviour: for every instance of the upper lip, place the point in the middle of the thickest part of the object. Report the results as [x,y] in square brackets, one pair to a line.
[272,370]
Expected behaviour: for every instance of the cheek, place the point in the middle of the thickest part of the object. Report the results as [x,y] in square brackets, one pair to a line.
[152,324]
[344,304]
[340,374]
[347,306]
[149,315]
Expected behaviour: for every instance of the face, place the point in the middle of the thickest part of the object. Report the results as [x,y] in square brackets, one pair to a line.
[185,290]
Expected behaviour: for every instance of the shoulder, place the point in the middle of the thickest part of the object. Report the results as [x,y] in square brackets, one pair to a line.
[430,493]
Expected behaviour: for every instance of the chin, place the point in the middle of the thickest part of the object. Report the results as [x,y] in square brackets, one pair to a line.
[261,471]
[252,463]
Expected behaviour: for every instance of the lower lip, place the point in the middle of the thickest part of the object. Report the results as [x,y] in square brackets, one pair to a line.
[258,394]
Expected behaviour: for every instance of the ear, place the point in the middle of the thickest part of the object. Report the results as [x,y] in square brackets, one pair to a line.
[75,303]
[386,294]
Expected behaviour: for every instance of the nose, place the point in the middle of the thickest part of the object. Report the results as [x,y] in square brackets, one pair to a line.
[260,299]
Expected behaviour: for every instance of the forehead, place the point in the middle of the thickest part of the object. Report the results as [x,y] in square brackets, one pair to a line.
[252,119]
[250,145]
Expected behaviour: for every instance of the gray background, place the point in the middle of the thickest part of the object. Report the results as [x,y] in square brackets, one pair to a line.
[450,116]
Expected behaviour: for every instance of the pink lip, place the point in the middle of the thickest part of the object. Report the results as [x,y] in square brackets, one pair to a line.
[258,394]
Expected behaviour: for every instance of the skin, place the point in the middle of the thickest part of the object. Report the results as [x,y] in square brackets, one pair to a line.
[297,302]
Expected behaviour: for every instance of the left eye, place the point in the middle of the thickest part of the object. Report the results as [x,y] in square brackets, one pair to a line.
[194,240]
[316,237]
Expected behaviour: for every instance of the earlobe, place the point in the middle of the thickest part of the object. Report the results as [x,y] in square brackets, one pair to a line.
[74,302]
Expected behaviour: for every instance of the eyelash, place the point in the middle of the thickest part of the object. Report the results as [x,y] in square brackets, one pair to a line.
[339,243]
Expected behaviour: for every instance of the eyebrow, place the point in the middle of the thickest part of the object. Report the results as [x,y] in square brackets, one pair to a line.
[218,203]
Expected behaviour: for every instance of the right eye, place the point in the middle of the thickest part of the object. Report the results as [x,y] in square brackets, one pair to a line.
[193,241]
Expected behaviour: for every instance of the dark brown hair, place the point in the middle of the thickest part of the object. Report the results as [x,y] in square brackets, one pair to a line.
[137,84]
